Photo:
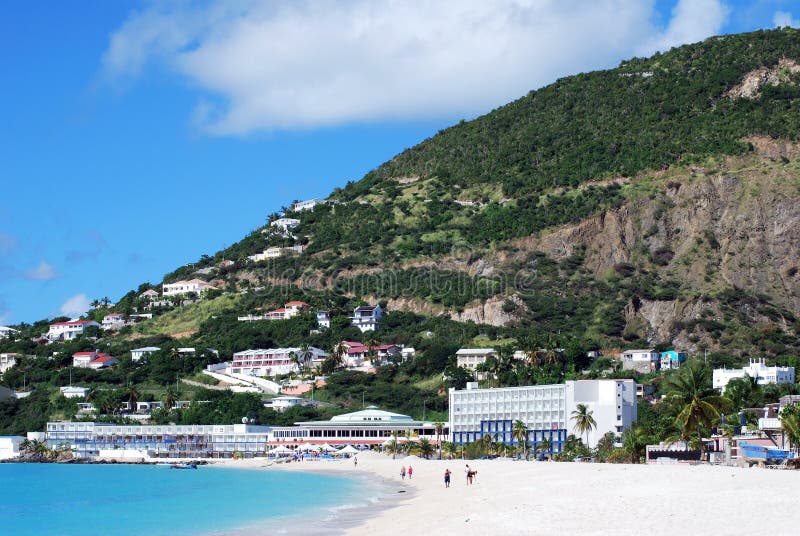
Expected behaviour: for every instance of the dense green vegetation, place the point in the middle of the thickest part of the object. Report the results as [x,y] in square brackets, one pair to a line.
[470,193]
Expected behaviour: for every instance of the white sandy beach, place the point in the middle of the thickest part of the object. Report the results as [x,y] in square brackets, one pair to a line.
[514,497]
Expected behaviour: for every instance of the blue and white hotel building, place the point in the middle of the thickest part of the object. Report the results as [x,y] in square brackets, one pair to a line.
[546,411]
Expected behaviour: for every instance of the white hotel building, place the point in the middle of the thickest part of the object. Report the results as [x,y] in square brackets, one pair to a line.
[169,441]
[757,369]
[193,286]
[546,411]
[66,331]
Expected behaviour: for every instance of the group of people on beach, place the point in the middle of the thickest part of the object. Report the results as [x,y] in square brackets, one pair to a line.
[404,472]
[468,471]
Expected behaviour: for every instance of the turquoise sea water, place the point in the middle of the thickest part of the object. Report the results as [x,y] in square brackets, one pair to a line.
[146,499]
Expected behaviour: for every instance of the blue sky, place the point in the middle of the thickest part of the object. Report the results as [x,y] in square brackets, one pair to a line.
[138,136]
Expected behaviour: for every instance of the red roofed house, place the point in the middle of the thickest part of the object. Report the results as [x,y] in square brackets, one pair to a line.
[289,310]
[66,331]
[358,354]
[94,360]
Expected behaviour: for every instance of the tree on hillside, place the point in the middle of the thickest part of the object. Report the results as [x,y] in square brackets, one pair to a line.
[790,425]
[584,422]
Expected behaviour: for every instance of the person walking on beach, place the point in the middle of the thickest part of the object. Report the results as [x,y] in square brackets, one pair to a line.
[403,472]
[447,478]
[410,472]
[468,472]
[355,461]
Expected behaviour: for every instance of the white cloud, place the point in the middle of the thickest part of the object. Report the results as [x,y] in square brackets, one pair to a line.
[75,306]
[43,272]
[306,64]
[692,20]
[784,18]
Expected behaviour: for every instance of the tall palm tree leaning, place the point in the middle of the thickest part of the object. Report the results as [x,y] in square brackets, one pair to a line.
[698,406]
[519,433]
[439,429]
[584,422]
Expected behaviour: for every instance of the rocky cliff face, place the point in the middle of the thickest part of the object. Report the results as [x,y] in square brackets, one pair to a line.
[735,225]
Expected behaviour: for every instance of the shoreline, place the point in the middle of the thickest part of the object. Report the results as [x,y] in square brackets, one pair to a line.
[384,495]
[530,497]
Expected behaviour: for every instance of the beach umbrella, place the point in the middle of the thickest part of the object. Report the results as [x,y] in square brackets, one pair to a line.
[328,448]
[349,449]
[281,450]
[305,447]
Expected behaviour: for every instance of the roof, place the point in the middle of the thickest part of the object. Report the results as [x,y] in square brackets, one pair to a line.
[147,349]
[83,354]
[475,351]
[74,323]
[366,308]
[102,358]
[648,351]
[114,314]
[297,303]
[371,416]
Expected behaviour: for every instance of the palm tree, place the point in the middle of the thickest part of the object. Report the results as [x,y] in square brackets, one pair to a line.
[425,448]
[790,424]
[634,441]
[584,422]
[304,354]
[544,446]
[439,429]
[132,394]
[450,449]
[372,345]
[488,443]
[519,433]
[337,354]
[393,444]
[170,397]
[698,406]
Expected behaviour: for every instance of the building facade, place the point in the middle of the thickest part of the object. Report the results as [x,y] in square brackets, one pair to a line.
[470,358]
[368,427]
[758,369]
[6,332]
[272,361]
[672,359]
[367,317]
[546,410]
[66,331]
[641,360]
[307,205]
[165,441]
[193,286]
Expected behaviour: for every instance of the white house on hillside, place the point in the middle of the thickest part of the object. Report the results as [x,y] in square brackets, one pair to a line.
[113,320]
[757,369]
[285,224]
[6,332]
[307,205]
[641,360]
[74,392]
[274,253]
[66,331]
[324,319]
[367,317]
[138,353]
[7,361]
[93,360]
[470,358]
[193,286]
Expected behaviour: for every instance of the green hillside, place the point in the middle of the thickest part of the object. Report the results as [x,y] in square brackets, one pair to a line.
[655,204]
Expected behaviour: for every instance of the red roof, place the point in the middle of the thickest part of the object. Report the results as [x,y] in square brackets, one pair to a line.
[82,354]
[297,304]
[281,310]
[102,358]
[360,348]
